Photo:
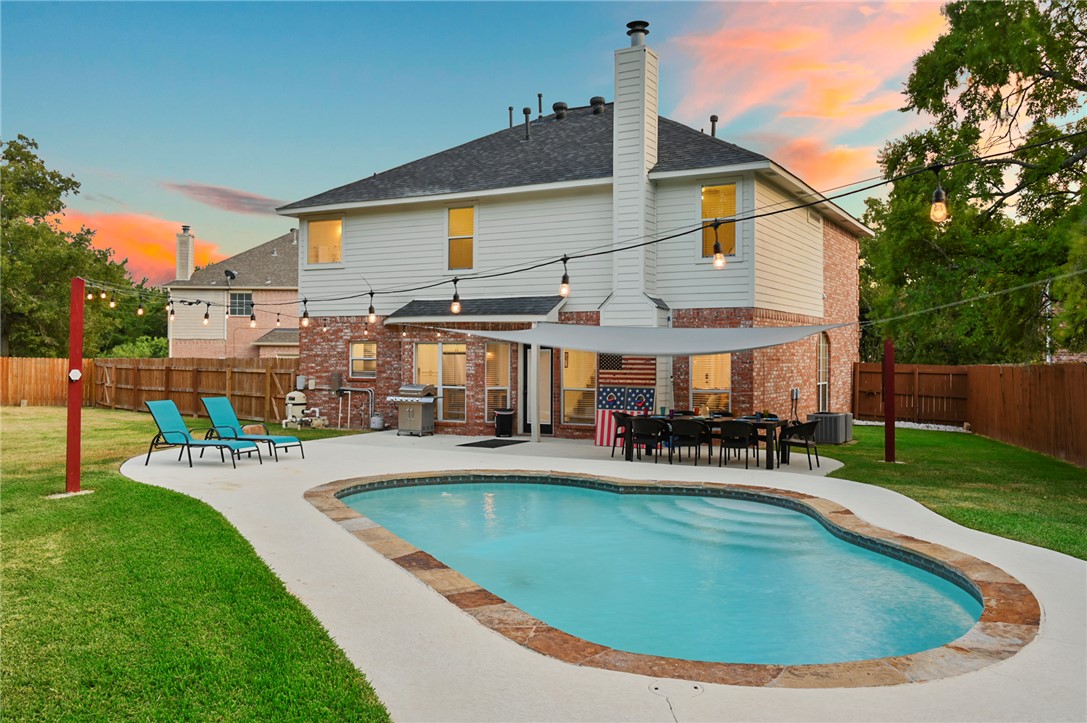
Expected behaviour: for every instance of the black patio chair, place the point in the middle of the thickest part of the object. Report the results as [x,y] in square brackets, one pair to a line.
[799,435]
[689,433]
[622,422]
[736,435]
[650,434]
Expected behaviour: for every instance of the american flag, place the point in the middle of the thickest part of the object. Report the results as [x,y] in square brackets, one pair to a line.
[632,400]
[632,371]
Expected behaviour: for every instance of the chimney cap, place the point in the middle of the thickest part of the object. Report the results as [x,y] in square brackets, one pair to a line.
[184,229]
[714,118]
[638,30]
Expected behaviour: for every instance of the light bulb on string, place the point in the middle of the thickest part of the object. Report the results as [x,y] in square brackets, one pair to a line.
[278,322]
[305,313]
[455,306]
[207,315]
[253,319]
[139,308]
[172,314]
[90,296]
[564,287]
[112,301]
[371,315]
[938,211]
[718,254]
[102,295]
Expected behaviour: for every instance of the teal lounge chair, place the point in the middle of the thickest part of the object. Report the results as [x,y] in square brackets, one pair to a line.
[225,425]
[173,432]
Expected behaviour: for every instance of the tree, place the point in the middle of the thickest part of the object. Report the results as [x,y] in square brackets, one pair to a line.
[38,260]
[1006,76]
[144,347]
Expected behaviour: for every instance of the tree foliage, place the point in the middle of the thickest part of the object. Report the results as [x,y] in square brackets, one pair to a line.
[144,347]
[1006,76]
[38,260]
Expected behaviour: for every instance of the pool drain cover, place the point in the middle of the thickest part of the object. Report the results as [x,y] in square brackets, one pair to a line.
[669,688]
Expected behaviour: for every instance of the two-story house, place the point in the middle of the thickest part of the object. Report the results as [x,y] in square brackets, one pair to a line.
[248,312]
[654,197]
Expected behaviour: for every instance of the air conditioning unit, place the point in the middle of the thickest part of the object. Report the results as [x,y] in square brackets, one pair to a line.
[833,428]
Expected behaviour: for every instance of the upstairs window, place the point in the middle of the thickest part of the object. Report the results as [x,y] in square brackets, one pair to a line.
[462,231]
[325,242]
[718,202]
[364,359]
[241,303]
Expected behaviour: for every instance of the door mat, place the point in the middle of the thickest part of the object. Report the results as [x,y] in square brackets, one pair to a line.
[492,443]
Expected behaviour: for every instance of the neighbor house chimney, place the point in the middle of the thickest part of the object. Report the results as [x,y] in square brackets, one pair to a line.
[185,254]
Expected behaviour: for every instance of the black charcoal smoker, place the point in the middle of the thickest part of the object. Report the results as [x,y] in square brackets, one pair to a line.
[415,404]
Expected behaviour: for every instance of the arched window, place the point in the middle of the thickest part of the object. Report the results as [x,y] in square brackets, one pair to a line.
[822,385]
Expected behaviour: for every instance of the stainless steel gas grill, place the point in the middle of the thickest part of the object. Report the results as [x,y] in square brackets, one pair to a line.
[415,403]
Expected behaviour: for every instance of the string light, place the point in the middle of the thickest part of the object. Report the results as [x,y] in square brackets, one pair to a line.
[564,287]
[90,296]
[371,315]
[455,306]
[253,319]
[112,301]
[938,212]
[102,295]
[278,322]
[305,312]
[172,314]
[139,308]
[718,254]
[207,315]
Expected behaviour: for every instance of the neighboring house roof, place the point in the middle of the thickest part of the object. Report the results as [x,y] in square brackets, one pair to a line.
[273,264]
[278,337]
[575,148]
[525,308]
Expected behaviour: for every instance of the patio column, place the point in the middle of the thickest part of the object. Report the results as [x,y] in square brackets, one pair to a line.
[532,381]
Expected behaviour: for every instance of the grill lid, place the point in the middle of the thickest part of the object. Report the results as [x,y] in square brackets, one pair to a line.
[417,390]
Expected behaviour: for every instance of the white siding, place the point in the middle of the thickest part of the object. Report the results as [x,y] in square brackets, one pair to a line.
[788,256]
[404,246]
[189,320]
[685,280]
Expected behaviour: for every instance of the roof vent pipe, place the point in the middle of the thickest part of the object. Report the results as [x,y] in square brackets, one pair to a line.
[597,102]
[638,30]
[527,111]
[511,116]
[713,126]
[560,110]
[539,103]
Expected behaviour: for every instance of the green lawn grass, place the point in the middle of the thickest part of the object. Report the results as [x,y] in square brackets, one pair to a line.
[977,482]
[139,603]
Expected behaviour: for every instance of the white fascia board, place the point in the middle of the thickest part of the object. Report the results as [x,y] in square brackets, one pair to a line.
[709,172]
[449,197]
[232,288]
[829,207]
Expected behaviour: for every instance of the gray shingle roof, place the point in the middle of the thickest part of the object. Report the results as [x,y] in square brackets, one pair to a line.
[575,148]
[517,306]
[279,337]
[273,264]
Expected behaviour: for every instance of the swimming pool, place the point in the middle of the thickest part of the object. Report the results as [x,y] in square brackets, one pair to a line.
[585,590]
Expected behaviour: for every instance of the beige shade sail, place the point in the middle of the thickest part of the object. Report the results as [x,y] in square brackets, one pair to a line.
[651,341]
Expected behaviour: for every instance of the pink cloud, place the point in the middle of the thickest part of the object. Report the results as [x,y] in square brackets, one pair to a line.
[147,242]
[824,166]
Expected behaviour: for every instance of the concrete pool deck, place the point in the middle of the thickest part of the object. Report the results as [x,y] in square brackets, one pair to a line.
[429,660]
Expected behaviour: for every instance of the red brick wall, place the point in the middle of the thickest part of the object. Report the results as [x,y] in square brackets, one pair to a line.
[842,275]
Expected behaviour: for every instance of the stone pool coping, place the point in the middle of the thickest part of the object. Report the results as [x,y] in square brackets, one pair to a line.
[1009,621]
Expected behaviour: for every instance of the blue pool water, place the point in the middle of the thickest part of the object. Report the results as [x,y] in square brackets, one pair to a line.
[699,578]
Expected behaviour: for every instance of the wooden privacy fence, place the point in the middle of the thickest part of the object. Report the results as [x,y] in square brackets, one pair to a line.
[1039,407]
[256,387]
[39,382]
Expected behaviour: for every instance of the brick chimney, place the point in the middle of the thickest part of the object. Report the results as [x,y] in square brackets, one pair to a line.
[634,153]
[185,253]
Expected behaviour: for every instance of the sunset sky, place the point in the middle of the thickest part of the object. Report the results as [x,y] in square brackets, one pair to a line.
[211,114]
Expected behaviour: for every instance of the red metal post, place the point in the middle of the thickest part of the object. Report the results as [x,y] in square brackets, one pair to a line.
[888,400]
[75,385]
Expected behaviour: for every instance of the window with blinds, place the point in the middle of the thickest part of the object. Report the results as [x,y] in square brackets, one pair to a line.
[498,378]
[364,359]
[711,382]
[578,387]
[324,244]
[444,366]
[822,385]
[718,202]
[462,231]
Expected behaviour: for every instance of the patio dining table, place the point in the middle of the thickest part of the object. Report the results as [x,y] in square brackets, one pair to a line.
[771,426]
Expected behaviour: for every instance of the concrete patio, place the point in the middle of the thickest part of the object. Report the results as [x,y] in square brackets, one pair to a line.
[428,660]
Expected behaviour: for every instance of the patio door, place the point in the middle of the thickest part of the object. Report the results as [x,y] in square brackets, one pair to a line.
[545,386]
